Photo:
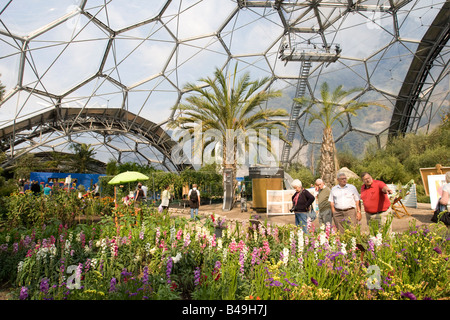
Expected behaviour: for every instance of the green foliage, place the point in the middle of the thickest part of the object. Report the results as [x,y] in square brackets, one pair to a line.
[304,174]
[111,168]
[25,210]
[82,158]
[402,158]
[163,257]
[346,158]
[387,168]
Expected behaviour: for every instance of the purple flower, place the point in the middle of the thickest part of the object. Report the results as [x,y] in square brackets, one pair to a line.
[314,281]
[291,283]
[241,261]
[44,286]
[275,283]
[23,293]
[169,269]
[125,273]
[145,275]
[112,285]
[197,276]
[409,295]
[437,250]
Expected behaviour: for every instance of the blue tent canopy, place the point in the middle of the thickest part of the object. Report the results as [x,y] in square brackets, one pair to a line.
[85,179]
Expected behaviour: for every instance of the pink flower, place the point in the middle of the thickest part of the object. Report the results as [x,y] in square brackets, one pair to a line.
[241,245]
[232,246]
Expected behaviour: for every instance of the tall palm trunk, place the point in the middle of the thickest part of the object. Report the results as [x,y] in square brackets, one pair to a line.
[229,166]
[328,159]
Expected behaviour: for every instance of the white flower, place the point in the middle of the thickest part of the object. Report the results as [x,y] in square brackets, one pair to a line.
[353,244]
[225,251]
[177,258]
[52,251]
[322,238]
[300,240]
[343,245]
[19,266]
[285,256]
[379,239]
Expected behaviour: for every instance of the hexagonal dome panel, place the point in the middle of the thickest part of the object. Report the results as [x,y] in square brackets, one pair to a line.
[110,73]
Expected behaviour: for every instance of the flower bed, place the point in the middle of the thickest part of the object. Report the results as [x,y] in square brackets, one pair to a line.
[163,257]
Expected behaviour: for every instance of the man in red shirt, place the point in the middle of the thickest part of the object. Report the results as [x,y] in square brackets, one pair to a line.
[374,194]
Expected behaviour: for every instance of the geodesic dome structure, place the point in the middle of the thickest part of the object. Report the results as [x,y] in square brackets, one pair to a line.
[108,73]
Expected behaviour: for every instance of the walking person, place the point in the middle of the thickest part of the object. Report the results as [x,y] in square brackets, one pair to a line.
[374,195]
[194,200]
[323,193]
[344,203]
[301,204]
[138,197]
[47,190]
[35,188]
[145,190]
[165,198]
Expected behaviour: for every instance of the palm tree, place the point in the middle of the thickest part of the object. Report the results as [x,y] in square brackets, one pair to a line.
[332,109]
[226,105]
[83,157]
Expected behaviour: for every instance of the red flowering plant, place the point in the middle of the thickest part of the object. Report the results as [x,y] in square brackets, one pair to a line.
[213,223]
[219,223]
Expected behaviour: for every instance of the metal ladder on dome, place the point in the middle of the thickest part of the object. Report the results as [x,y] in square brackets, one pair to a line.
[295,110]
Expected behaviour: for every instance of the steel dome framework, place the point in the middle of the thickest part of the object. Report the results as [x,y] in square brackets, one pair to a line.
[109,72]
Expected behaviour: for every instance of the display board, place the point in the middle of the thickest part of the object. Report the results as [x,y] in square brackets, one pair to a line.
[435,184]
[280,201]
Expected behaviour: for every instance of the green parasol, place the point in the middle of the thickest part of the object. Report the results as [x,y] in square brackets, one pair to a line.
[128,176]
[125,177]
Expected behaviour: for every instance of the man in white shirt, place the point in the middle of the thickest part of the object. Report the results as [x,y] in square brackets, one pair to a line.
[145,189]
[344,201]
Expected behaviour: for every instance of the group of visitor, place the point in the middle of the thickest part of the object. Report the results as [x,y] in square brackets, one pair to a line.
[341,203]
[35,187]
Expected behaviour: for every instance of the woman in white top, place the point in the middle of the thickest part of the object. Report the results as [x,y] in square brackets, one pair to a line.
[165,197]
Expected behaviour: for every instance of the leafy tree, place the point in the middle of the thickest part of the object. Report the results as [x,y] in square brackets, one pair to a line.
[332,108]
[299,171]
[229,105]
[83,157]
[133,166]
[24,165]
[111,168]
